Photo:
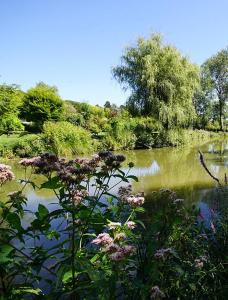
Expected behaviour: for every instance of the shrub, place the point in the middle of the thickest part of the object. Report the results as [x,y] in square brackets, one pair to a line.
[146,131]
[120,135]
[10,123]
[29,145]
[65,139]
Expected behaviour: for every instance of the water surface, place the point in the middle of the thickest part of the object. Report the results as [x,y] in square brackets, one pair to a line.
[178,169]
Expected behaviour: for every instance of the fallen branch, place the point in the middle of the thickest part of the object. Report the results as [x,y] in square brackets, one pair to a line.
[206,168]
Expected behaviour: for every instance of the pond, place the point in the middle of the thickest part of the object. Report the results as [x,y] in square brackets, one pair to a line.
[178,169]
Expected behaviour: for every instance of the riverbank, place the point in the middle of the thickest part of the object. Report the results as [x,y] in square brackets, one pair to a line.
[69,141]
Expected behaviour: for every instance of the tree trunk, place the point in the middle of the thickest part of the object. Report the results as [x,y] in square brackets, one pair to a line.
[221,114]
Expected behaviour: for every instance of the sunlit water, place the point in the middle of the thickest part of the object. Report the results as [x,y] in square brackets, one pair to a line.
[178,169]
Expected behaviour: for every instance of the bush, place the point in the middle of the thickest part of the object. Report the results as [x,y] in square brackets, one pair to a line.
[146,131]
[63,138]
[119,134]
[29,145]
[10,123]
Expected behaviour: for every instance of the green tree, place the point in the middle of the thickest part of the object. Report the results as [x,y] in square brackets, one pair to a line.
[42,103]
[11,101]
[10,123]
[162,82]
[107,104]
[215,81]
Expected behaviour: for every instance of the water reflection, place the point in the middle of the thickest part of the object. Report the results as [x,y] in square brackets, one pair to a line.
[175,168]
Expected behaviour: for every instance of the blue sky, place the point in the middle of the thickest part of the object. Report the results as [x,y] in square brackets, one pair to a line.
[73,44]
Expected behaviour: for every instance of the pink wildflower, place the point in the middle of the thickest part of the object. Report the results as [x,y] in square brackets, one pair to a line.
[156,293]
[78,196]
[113,225]
[30,161]
[120,236]
[124,192]
[128,249]
[130,224]
[112,248]
[199,264]
[163,253]
[103,239]
[5,174]
[117,256]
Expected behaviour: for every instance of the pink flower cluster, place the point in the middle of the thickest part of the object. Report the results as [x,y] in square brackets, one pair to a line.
[130,224]
[156,293]
[26,162]
[113,225]
[163,253]
[199,262]
[5,174]
[116,252]
[136,200]
[122,252]
[103,239]
[125,194]
[125,191]
[78,196]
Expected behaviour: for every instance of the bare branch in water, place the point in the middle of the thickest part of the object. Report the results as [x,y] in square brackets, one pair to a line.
[206,168]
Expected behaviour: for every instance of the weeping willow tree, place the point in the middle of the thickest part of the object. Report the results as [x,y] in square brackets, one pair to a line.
[162,82]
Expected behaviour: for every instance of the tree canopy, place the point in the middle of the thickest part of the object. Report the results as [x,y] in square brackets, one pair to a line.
[11,100]
[161,80]
[42,103]
[214,73]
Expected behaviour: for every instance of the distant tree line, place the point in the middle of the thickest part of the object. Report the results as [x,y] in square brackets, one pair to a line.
[165,87]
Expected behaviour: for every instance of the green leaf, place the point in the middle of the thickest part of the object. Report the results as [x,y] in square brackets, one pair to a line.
[141,223]
[94,258]
[139,209]
[135,178]
[14,221]
[42,211]
[52,184]
[24,290]
[68,275]
[5,250]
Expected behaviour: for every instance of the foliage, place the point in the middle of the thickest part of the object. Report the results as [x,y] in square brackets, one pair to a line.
[42,103]
[215,81]
[11,100]
[161,80]
[25,145]
[147,131]
[119,134]
[29,145]
[84,248]
[10,123]
[65,139]
[91,245]
[186,252]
